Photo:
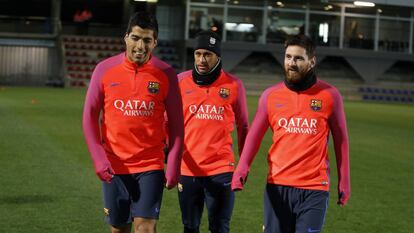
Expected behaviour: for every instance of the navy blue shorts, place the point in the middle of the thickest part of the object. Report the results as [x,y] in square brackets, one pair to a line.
[216,192]
[133,195]
[294,210]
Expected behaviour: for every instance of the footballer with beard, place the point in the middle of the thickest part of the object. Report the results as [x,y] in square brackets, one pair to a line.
[301,111]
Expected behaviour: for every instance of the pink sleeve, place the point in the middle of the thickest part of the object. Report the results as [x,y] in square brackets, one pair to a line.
[241,115]
[91,112]
[337,124]
[175,129]
[252,145]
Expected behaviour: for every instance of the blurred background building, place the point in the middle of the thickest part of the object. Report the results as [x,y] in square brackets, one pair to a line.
[365,48]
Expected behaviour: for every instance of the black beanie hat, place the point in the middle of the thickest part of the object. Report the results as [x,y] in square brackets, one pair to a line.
[208,40]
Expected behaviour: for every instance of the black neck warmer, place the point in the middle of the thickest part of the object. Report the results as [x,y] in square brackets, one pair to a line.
[304,84]
[209,78]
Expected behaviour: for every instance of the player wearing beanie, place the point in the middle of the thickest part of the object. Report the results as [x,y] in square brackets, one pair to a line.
[213,101]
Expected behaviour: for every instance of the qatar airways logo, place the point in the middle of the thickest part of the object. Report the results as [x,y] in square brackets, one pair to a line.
[207,112]
[299,125]
[135,107]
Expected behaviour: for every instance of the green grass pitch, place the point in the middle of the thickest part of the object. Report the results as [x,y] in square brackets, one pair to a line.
[47,182]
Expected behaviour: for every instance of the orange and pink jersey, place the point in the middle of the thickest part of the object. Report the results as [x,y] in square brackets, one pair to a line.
[132,100]
[301,122]
[210,113]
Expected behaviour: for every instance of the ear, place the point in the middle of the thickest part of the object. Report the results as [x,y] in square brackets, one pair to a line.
[155,42]
[125,37]
[313,61]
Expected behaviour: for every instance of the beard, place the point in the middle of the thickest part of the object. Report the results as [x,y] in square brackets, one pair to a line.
[295,75]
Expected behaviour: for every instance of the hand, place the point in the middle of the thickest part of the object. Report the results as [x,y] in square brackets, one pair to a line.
[171,174]
[343,198]
[104,170]
[170,184]
[238,180]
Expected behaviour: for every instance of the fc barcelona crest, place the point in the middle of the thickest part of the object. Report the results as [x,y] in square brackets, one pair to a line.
[224,93]
[153,87]
[316,105]
[212,40]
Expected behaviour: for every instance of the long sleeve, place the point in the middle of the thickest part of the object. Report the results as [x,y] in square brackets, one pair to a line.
[253,140]
[91,112]
[175,130]
[337,123]
[241,116]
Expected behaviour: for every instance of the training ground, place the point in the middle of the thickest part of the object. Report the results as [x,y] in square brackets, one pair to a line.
[47,182]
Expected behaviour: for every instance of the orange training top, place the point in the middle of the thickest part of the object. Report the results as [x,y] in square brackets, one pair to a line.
[209,116]
[301,122]
[132,100]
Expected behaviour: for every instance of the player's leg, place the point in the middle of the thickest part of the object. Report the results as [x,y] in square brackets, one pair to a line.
[311,211]
[117,203]
[145,225]
[220,202]
[146,200]
[278,216]
[191,198]
[121,229]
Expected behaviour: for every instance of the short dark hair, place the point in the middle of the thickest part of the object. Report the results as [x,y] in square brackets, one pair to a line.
[144,20]
[302,41]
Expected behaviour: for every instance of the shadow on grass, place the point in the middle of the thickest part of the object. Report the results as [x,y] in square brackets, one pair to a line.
[25,199]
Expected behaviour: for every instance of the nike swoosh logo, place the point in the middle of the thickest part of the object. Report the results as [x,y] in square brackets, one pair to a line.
[279,105]
[310,230]
[114,84]
[188,91]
